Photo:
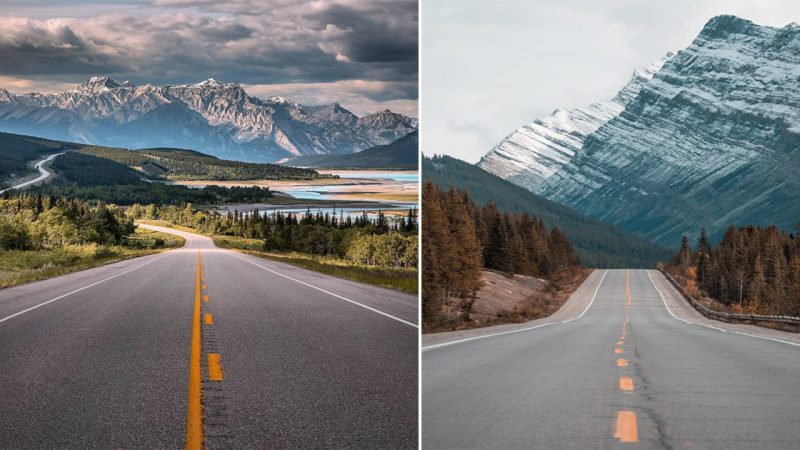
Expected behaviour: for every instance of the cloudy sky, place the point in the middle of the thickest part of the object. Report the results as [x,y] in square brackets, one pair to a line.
[361,53]
[490,67]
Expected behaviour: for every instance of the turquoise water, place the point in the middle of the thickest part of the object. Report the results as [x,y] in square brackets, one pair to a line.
[329,192]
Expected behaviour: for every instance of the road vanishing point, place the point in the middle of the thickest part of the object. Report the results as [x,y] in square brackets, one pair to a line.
[204,347]
[625,363]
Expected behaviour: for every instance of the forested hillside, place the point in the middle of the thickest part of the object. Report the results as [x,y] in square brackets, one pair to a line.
[598,244]
[93,178]
[17,151]
[180,164]
[752,269]
[460,239]
[400,154]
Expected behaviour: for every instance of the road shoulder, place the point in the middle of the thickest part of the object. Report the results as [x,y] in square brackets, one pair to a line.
[572,309]
[682,310]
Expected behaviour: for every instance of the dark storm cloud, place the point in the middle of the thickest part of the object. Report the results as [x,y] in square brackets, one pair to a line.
[29,48]
[387,33]
[248,41]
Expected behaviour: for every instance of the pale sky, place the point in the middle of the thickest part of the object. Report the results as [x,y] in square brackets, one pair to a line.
[488,68]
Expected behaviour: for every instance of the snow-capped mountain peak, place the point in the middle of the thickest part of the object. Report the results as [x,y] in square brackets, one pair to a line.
[99,84]
[210,83]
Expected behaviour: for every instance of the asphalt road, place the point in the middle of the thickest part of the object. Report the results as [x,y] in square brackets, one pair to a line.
[623,371]
[43,174]
[249,353]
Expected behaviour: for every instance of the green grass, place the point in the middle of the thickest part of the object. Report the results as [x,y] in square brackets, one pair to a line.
[404,280]
[25,266]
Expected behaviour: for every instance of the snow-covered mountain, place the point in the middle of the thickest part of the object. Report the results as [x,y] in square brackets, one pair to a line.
[539,149]
[217,118]
[712,139]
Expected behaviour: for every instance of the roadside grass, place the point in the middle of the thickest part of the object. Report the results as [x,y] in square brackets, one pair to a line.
[404,280]
[25,266]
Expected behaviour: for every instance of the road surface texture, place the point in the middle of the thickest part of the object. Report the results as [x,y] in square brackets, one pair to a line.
[206,347]
[43,174]
[624,364]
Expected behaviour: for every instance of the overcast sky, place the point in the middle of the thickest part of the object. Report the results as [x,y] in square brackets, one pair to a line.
[489,67]
[361,53]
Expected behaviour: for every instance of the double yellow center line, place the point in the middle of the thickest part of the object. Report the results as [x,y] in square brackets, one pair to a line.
[194,415]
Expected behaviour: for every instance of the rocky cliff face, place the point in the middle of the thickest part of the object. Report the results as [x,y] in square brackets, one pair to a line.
[213,117]
[713,139]
[539,149]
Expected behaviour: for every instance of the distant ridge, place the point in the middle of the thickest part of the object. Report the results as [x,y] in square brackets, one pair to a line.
[400,154]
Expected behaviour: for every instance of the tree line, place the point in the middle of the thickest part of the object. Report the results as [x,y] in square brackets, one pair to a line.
[378,241]
[460,239]
[752,269]
[34,222]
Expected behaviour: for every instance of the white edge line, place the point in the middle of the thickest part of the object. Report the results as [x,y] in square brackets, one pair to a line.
[592,300]
[79,289]
[377,311]
[713,327]
[445,344]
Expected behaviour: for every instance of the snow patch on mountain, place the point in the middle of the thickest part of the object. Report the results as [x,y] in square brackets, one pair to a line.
[539,149]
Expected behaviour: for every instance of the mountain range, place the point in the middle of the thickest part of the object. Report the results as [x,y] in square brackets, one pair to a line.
[708,137]
[400,154]
[216,118]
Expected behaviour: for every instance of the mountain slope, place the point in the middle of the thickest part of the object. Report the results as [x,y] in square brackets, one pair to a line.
[400,154]
[180,164]
[213,117]
[598,244]
[539,149]
[713,139]
[17,152]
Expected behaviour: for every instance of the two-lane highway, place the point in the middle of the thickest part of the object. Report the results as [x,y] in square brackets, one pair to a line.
[210,347]
[617,371]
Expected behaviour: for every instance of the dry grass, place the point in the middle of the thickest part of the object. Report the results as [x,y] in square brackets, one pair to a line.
[537,304]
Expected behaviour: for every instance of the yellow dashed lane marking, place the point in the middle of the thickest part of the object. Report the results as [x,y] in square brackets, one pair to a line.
[626,383]
[626,427]
[205,298]
[209,319]
[620,342]
[622,362]
[619,350]
[215,367]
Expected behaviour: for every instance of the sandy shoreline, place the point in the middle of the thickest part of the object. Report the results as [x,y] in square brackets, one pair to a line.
[351,189]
